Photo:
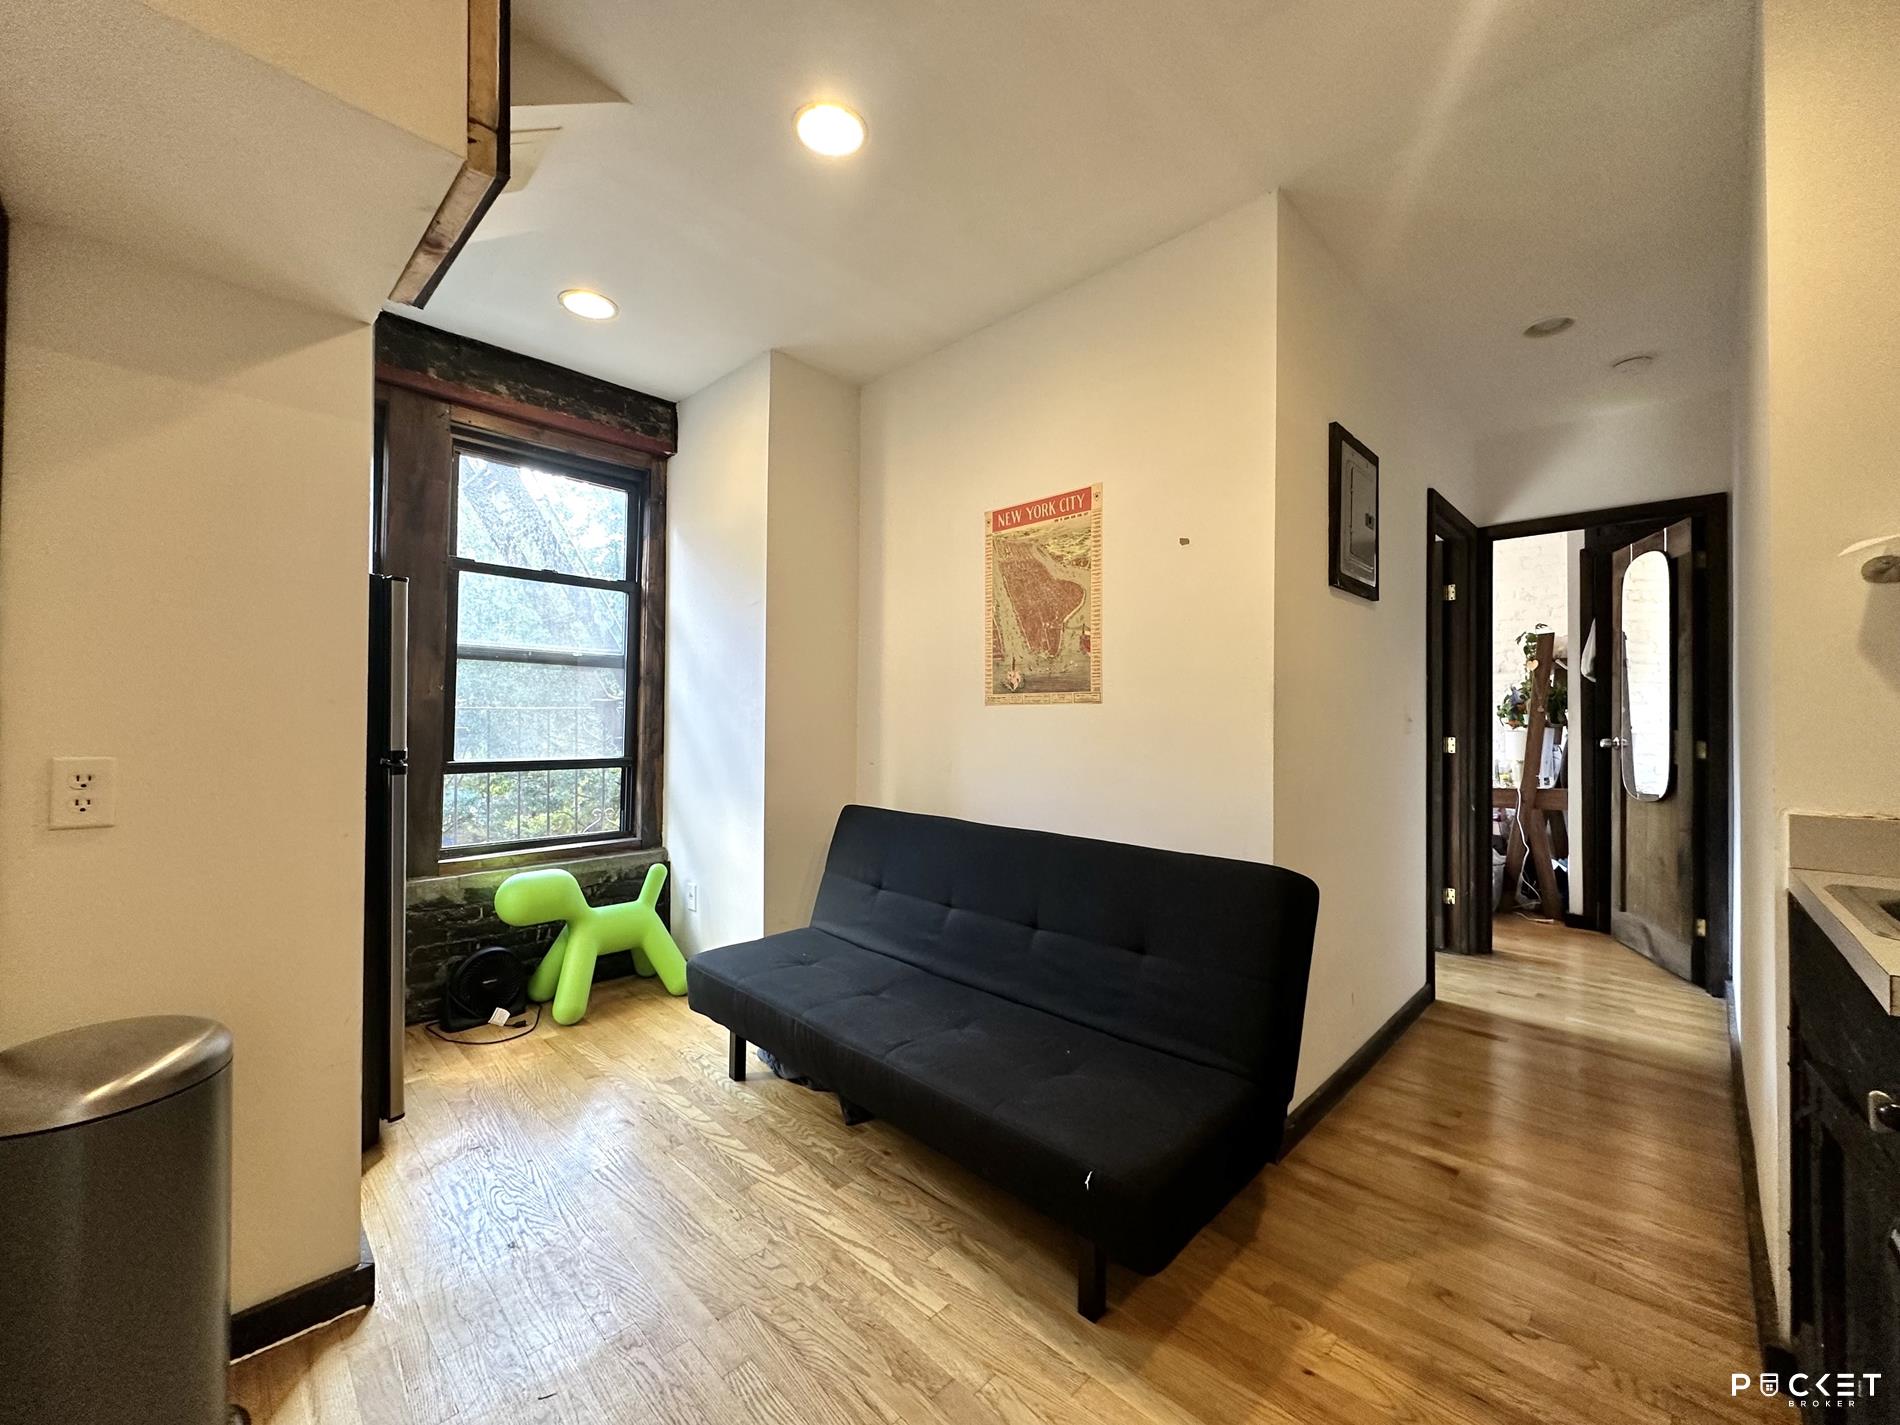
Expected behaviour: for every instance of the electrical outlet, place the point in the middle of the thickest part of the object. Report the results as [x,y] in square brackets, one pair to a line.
[692,897]
[85,792]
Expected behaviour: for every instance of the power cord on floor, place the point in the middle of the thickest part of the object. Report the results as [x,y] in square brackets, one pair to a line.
[522,1029]
[1526,890]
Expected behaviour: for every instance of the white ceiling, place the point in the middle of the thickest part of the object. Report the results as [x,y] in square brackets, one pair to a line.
[143,131]
[1478,164]
[1610,190]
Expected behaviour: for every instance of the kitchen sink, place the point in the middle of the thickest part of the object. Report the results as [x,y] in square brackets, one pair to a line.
[1875,907]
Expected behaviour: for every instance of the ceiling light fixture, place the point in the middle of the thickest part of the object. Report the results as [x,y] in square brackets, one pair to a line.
[585,302]
[1634,365]
[829,129]
[1550,326]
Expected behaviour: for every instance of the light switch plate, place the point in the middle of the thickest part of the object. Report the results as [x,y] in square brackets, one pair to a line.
[85,792]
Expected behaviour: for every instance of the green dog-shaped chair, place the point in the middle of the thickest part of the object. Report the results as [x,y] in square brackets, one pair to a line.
[567,974]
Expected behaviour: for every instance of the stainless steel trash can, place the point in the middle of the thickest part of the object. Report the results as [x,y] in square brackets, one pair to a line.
[115,1225]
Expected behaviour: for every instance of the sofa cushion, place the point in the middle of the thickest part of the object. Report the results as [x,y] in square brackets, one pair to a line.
[1135,1148]
[1199,957]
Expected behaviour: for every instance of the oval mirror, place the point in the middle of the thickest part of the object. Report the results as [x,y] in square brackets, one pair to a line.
[1649,667]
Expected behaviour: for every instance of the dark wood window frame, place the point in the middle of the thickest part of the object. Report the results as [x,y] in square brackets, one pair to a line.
[423,432]
[631,481]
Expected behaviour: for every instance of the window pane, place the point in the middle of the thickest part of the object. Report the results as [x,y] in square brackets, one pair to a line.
[537,711]
[495,611]
[535,519]
[486,808]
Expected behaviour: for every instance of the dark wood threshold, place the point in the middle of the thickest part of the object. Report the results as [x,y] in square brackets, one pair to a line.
[1776,1354]
[1301,1120]
[257,1328]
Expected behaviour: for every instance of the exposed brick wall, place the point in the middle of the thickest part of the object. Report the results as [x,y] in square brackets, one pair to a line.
[449,917]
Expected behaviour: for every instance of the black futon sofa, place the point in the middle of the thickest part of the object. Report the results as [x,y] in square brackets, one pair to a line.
[1109,1032]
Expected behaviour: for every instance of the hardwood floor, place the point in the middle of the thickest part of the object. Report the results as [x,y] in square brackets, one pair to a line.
[1529,1211]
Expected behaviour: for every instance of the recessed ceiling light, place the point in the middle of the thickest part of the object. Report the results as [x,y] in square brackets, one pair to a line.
[1634,365]
[585,302]
[1550,326]
[830,129]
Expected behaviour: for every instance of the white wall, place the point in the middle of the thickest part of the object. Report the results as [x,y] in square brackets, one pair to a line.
[1530,584]
[184,529]
[761,695]
[1760,968]
[1624,456]
[715,658]
[1818,677]
[1349,705]
[1154,379]
[811,657]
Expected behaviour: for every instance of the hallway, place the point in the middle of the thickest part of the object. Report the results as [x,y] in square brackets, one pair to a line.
[1530,1211]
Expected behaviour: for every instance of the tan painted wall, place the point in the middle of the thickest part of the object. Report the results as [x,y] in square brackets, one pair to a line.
[404,63]
[1154,379]
[1349,676]
[184,529]
[1818,681]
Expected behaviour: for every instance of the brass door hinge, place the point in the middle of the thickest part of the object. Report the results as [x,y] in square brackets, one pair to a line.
[1451,593]
[1451,744]
[1451,895]
[1701,750]
[1701,928]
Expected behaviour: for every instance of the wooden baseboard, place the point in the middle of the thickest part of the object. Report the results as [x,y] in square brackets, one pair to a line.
[257,1328]
[1776,1354]
[1316,1105]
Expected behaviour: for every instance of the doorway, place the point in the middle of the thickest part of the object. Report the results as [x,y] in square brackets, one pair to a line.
[1458,754]
[1613,811]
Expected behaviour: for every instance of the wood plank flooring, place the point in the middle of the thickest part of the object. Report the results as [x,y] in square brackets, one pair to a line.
[1530,1211]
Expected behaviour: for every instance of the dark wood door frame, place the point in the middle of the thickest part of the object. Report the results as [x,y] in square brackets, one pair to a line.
[1457,734]
[1605,531]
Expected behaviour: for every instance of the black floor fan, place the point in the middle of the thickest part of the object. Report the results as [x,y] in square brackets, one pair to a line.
[479,985]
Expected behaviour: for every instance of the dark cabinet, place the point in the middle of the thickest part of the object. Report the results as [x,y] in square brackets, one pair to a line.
[1845,1207]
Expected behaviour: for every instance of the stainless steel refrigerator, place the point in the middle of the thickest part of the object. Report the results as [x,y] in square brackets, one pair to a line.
[386,853]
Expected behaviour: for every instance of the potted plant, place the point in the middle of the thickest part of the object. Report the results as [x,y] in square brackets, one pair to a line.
[1514,713]
[1514,707]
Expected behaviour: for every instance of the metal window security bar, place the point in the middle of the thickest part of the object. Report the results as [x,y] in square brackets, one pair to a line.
[559,766]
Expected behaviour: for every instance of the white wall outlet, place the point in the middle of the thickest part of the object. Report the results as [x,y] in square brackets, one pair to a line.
[692,896]
[85,792]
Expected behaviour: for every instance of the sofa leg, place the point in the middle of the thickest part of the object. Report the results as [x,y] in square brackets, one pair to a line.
[1091,1280]
[853,1115]
[735,1061]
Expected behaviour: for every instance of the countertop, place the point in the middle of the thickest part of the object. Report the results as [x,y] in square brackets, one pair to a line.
[1875,958]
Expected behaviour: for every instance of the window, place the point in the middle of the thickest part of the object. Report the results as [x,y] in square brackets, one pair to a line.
[526,506]
[543,620]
